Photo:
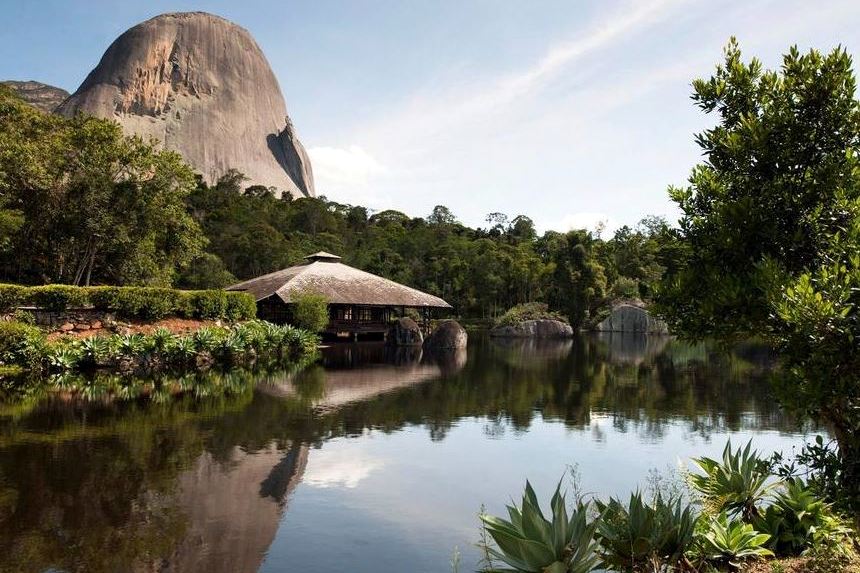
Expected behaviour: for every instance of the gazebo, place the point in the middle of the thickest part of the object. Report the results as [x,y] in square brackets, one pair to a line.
[360,303]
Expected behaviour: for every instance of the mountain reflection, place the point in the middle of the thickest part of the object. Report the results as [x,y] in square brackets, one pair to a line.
[202,484]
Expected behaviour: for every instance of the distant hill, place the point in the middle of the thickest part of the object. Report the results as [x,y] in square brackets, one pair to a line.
[201,85]
[42,96]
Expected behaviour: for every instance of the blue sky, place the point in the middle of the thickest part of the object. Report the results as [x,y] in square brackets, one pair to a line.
[569,112]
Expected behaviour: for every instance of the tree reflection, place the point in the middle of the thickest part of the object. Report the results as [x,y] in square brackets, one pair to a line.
[201,482]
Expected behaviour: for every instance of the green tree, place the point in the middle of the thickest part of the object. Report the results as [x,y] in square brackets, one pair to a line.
[95,206]
[310,311]
[772,220]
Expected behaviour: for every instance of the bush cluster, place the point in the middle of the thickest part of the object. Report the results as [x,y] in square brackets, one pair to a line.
[529,311]
[745,513]
[147,303]
[26,346]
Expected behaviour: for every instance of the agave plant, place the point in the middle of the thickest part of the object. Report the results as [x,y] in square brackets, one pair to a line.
[184,348]
[206,339]
[736,484]
[66,357]
[94,350]
[162,340]
[731,542]
[531,543]
[131,344]
[799,520]
[643,536]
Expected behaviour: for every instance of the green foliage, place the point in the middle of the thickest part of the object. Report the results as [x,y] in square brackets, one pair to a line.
[57,297]
[148,303]
[799,520]
[209,304]
[772,220]
[819,464]
[731,542]
[531,543]
[737,484]
[642,536]
[310,311]
[21,344]
[528,311]
[88,204]
[11,296]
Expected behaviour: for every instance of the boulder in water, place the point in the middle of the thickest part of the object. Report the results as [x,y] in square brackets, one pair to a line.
[447,335]
[632,318]
[543,328]
[405,332]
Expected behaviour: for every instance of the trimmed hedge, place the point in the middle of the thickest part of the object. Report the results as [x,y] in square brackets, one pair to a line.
[146,303]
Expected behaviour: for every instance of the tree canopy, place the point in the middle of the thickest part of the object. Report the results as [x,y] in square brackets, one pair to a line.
[772,223]
[80,202]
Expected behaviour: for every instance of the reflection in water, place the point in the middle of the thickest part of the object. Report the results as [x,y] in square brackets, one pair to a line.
[211,484]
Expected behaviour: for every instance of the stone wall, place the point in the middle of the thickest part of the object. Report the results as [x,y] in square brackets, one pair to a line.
[74,319]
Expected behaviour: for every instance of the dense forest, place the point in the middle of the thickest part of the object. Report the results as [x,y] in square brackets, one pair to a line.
[80,203]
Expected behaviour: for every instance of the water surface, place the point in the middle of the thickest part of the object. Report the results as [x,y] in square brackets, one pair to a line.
[372,461]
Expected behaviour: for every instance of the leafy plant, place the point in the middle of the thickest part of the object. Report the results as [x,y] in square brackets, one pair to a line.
[64,358]
[799,520]
[131,345]
[161,340]
[642,536]
[531,543]
[736,484]
[95,350]
[21,344]
[310,310]
[731,542]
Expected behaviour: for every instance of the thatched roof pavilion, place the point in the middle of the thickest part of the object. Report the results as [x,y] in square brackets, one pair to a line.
[358,301]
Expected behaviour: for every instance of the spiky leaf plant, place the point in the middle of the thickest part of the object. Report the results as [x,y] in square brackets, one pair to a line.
[737,484]
[531,543]
[799,520]
[642,536]
[731,542]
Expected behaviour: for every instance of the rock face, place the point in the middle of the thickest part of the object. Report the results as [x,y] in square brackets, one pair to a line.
[631,318]
[448,335]
[41,96]
[534,329]
[200,85]
[405,332]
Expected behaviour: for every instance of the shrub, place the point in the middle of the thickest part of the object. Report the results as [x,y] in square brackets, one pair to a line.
[208,304]
[799,520]
[21,344]
[310,311]
[642,536]
[731,542]
[737,484]
[11,296]
[528,311]
[529,542]
[240,306]
[58,297]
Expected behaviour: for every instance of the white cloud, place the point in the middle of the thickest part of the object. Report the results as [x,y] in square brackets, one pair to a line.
[350,166]
[339,468]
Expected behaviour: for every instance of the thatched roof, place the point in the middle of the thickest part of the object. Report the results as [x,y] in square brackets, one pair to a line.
[339,283]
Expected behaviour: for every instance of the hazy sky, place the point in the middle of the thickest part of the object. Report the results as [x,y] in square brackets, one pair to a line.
[566,111]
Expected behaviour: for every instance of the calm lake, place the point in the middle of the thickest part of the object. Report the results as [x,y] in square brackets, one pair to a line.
[372,461]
